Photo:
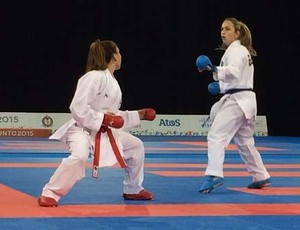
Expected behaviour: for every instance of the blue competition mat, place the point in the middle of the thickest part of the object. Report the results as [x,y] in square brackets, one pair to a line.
[174,169]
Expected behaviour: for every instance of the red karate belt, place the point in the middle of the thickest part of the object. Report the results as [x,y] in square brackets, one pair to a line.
[114,146]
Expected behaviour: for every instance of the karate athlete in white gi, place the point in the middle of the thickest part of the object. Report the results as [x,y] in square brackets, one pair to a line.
[233,116]
[95,110]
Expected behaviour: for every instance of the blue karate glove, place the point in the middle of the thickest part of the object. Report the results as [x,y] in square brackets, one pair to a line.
[214,88]
[203,61]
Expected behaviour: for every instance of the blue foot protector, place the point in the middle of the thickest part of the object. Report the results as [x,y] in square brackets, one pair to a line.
[210,183]
[260,184]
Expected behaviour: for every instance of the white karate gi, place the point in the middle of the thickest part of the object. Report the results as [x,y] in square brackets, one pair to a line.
[234,114]
[97,92]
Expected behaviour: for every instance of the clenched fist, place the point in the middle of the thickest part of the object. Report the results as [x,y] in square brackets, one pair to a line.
[148,114]
[113,121]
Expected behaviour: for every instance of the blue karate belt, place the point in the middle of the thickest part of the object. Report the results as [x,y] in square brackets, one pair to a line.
[231,91]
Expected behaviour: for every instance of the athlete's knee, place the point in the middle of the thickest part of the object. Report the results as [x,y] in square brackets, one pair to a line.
[79,157]
[83,157]
[137,144]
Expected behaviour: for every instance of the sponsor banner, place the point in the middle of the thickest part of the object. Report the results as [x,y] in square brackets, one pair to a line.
[43,124]
[186,125]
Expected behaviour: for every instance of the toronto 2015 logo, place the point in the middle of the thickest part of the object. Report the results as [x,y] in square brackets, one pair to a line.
[47,121]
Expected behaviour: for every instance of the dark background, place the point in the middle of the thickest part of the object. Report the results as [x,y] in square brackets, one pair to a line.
[44,45]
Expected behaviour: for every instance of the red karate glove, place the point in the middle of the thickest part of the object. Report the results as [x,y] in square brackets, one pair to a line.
[147,114]
[113,120]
